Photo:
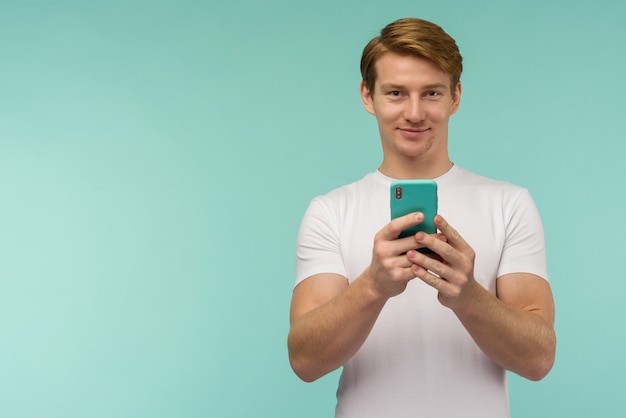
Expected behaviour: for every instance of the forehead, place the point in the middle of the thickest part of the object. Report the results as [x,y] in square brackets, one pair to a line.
[408,70]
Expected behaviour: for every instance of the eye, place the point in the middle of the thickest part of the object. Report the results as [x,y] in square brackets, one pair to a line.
[394,93]
[433,93]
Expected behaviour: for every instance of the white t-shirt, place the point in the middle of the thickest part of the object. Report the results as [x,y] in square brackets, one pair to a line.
[418,360]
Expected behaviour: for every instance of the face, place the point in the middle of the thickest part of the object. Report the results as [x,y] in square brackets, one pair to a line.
[412,102]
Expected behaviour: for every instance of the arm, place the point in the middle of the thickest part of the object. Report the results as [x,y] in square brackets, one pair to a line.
[515,328]
[330,319]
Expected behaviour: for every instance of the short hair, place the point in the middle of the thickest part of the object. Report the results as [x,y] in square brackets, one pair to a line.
[413,37]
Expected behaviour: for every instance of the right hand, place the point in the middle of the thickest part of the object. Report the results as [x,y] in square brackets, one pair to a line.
[390,270]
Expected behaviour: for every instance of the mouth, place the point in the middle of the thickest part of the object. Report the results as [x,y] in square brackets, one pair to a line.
[413,132]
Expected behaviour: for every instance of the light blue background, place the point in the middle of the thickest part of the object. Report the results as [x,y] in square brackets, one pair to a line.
[156,158]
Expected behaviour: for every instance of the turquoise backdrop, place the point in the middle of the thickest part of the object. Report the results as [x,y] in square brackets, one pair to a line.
[156,158]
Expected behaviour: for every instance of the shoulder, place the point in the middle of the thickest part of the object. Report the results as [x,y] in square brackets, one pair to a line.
[468,178]
[463,180]
[349,193]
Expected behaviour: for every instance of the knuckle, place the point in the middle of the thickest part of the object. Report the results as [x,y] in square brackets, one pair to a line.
[467,265]
[432,265]
[448,251]
[381,249]
[455,292]
[396,275]
[471,254]
[394,229]
[387,264]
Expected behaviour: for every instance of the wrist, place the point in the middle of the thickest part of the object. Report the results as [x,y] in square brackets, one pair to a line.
[473,298]
[367,285]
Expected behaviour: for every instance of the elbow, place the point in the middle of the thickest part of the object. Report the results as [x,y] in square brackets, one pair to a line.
[304,375]
[540,368]
[306,365]
[302,369]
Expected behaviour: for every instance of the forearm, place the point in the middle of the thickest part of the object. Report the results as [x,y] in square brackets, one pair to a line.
[323,339]
[518,340]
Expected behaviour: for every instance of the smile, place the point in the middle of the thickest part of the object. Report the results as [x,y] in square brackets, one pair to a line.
[413,132]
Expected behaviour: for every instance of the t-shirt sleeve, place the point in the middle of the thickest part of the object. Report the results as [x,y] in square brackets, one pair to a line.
[524,248]
[318,248]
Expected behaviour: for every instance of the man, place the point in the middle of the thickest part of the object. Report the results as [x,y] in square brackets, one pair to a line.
[418,334]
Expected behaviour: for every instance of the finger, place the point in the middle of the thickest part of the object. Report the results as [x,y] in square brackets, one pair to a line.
[393,229]
[428,277]
[406,244]
[403,245]
[433,264]
[400,269]
[452,235]
[437,244]
[441,237]
[402,261]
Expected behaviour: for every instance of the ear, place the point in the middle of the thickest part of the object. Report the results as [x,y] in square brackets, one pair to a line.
[366,97]
[456,99]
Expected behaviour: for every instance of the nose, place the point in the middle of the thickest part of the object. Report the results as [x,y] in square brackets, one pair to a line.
[414,110]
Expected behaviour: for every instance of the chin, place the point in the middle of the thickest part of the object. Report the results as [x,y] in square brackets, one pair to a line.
[415,152]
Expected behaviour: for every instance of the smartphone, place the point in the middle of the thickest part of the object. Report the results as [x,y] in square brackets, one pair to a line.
[408,196]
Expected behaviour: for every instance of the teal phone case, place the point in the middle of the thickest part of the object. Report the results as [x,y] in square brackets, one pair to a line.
[408,196]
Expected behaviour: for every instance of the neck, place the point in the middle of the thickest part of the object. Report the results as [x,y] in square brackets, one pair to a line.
[414,169]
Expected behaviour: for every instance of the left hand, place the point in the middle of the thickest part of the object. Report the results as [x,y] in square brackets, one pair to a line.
[452,265]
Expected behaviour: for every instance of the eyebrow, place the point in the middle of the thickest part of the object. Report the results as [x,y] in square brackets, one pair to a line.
[436,86]
[392,86]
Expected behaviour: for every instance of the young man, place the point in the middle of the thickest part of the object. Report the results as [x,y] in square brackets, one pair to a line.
[417,334]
